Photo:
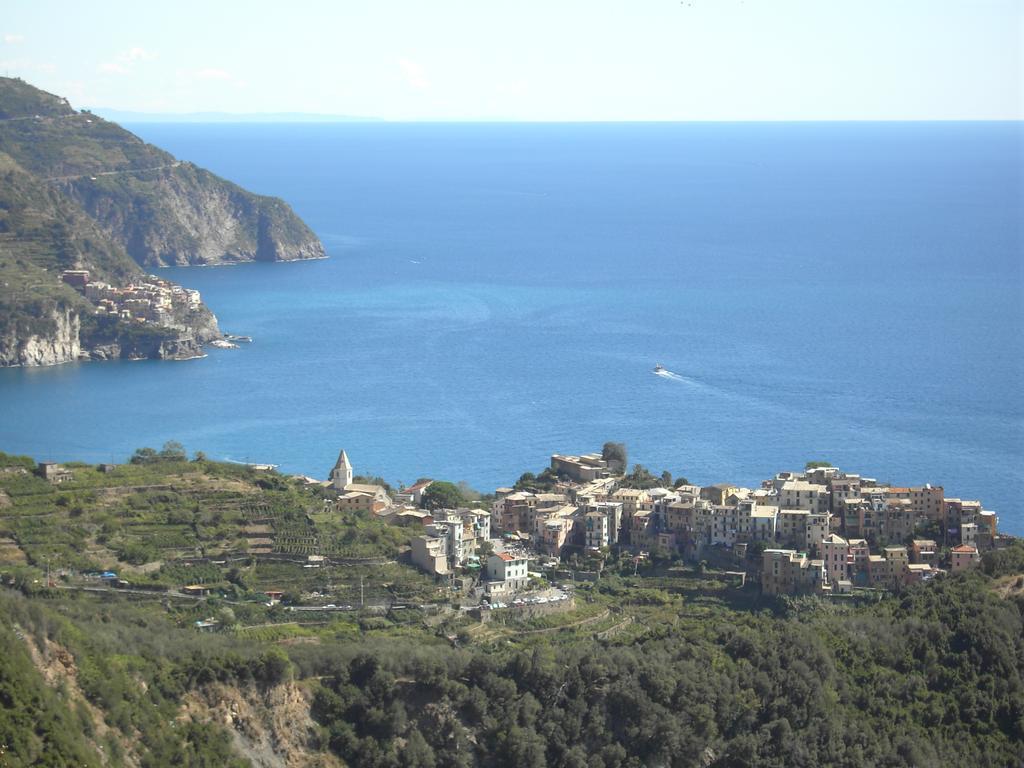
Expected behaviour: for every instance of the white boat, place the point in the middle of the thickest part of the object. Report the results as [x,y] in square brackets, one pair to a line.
[659,368]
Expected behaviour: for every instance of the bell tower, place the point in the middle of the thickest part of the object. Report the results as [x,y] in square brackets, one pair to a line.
[341,475]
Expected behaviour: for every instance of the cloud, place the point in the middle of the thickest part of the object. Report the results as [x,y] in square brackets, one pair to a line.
[415,75]
[14,39]
[124,62]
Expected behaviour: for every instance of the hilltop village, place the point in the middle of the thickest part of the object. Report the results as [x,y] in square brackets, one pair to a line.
[821,531]
[152,300]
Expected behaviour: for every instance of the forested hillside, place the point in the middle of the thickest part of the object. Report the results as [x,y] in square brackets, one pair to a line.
[180,658]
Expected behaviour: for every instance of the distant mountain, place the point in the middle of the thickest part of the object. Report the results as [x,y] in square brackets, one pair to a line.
[123,116]
[80,193]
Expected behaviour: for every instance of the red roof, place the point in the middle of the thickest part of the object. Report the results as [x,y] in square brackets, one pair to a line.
[965,548]
[506,557]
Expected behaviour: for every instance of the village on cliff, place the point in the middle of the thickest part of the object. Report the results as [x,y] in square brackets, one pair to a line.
[821,531]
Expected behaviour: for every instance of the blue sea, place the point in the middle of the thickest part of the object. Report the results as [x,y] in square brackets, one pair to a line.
[496,293]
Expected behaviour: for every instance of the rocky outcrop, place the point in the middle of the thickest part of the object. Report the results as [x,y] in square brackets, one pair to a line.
[270,726]
[80,193]
[54,341]
[60,338]
[162,211]
[183,215]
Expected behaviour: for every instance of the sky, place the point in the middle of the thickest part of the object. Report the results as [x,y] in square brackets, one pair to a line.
[529,60]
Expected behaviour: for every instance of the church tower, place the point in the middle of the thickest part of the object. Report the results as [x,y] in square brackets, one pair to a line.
[341,475]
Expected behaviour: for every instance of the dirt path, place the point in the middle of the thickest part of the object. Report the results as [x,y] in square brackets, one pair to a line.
[97,174]
[582,622]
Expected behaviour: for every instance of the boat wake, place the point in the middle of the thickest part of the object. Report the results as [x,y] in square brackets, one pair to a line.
[670,375]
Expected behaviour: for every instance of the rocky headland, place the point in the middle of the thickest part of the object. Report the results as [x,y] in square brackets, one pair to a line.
[84,200]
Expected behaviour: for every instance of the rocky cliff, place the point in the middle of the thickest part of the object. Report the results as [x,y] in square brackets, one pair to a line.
[162,211]
[55,341]
[183,215]
[80,193]
[66,335]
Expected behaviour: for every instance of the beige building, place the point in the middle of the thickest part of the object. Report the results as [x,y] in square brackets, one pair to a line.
[582,469]
[924,551]
[840,489]
[430,553]
[54,473]
[632,501]
[964,557]
[788,572]
[515,512]
[791,528]
[897,560]
[799,494]
[926,501]
[835,552]
[817,530]
[719,493]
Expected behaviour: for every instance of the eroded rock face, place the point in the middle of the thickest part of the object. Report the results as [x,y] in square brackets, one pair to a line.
[59,345]
[58,340]
[270,726]
[183,215]
[82,193]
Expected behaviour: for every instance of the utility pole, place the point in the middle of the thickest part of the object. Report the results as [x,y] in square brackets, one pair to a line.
[362,598]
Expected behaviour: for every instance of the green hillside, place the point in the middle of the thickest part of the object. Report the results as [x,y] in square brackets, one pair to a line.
[160,210]
[669,666]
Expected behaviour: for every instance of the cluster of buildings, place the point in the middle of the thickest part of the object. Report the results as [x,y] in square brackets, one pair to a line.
[154,300]
[452,539]
[846,564]
[822,530]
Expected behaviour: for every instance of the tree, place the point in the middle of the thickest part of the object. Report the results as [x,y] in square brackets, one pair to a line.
[274,666]
[441,495]
[143,456]
[173,451]
[817,464]
[641,477]
[616,456]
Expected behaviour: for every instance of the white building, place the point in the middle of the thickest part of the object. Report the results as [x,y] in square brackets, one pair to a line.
[341,475]
[506,573]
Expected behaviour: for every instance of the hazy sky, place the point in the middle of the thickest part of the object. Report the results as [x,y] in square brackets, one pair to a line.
[526,60]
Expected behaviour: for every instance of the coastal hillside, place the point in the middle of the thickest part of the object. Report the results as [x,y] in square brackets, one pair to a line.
[160,210]
[84,203]
[44,320]
[177,611]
